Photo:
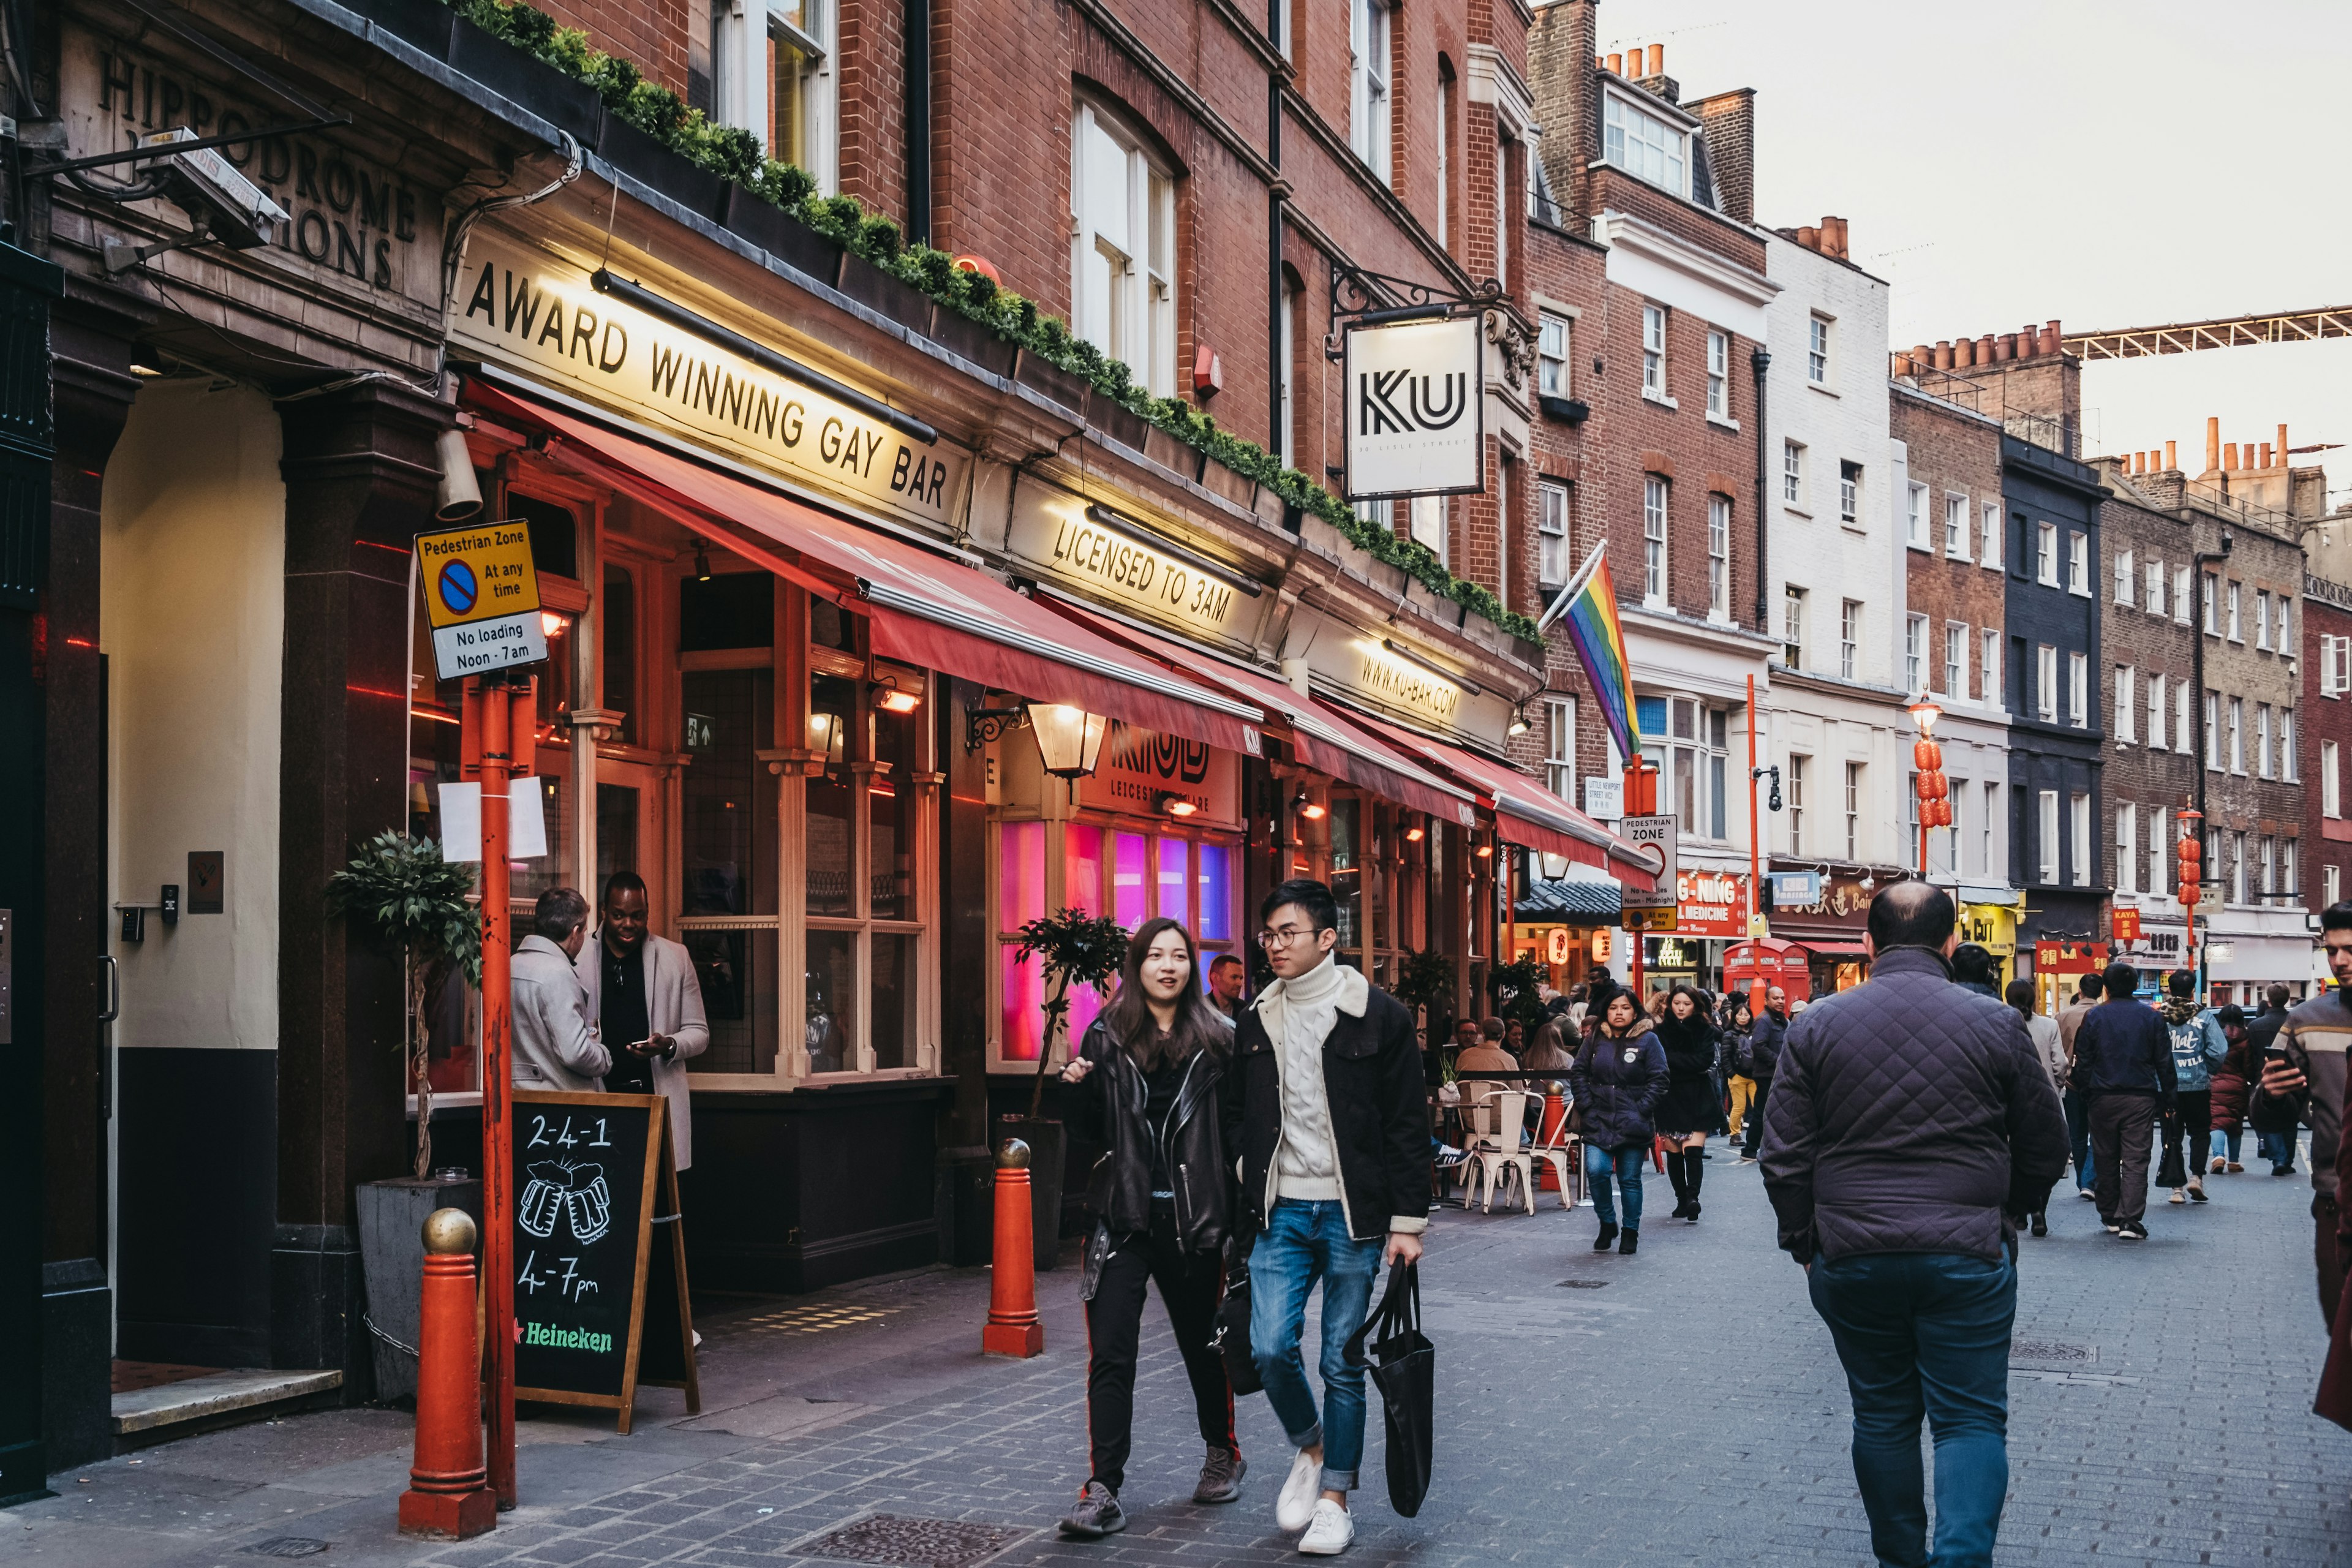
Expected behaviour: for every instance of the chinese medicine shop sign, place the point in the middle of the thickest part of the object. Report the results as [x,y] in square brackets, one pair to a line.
[1415,409]
[481,597]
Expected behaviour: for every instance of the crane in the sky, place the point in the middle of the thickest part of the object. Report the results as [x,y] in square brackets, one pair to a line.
[2227,333]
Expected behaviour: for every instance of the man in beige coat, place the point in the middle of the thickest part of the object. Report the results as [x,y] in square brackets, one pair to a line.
[641,988]
[555,1043]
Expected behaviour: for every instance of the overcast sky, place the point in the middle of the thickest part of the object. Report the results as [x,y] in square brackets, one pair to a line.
[2107,164]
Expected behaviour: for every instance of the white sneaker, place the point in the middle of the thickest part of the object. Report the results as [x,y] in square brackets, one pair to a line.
[1294,1506]
[2177,1196]
[2087,1194]
[1329,1532]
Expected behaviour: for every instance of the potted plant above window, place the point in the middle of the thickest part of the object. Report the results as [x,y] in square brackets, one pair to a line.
[1073,949]
[402,894]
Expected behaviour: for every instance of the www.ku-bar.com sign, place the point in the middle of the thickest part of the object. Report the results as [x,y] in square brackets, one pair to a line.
[1417,422]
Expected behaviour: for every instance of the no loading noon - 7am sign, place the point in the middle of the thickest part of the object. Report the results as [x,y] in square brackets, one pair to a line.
[481,597]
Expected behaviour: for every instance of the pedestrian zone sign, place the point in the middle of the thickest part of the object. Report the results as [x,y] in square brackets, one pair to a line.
[481,597]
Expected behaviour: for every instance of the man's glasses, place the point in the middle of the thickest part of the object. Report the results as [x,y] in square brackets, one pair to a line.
[1283,936]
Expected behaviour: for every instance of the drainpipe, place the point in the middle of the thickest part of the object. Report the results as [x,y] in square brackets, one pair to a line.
[1762,360]
[1274,291]
[919,121]
[2196,622]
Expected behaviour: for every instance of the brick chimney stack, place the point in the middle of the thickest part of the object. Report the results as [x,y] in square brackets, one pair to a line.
[1566,36]
[1727,121]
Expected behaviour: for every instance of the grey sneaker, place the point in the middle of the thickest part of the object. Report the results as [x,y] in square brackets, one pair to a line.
[1221,1476]
[1097,1515]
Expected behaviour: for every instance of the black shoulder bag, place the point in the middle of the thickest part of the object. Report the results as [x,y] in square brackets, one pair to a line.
[1404,1366]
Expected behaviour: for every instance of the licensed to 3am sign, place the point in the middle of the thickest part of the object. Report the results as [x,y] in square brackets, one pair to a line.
[481,597]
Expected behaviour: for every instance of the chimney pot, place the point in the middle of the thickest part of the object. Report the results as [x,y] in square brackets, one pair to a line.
[2266,453]
[1657,60]
[2171,461]
[1964,353]
[2229,456]
[2281,447]
[1617,64]
[2004,347]
[1985,347]
[2050,338]
[1922,357]
[1943,354]
[2138,464]
[1833,235]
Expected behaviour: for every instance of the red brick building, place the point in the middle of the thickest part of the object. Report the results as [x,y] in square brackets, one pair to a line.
[2326,740]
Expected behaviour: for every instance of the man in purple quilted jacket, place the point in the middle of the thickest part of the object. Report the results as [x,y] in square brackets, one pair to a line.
[1910,1130]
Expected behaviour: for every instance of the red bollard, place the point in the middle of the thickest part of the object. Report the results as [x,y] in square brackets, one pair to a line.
[1555,1112]
[448,1490]
[1013,1327]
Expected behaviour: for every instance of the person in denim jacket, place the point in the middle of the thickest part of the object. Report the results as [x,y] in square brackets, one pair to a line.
[2198,1046]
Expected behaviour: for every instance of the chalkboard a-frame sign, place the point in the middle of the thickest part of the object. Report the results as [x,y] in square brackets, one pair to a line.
[600,1254]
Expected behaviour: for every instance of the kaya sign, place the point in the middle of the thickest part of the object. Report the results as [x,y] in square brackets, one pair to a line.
[1415,409]
[530,310]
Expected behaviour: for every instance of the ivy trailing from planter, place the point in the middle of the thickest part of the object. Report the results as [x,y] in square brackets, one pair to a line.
[736,154]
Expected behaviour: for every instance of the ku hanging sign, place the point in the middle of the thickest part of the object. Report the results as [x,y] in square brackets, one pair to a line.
[481,597]
[1415,409]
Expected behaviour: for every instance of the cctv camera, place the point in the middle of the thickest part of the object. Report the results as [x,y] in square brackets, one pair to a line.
[222,204]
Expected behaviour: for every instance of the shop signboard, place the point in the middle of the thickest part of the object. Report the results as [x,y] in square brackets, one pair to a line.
[1415,394]
[481,597]
[1711,903]
[530,310]
[1794,890]
[1142,773]
[1051,529]
[600,1261]
[1656,833]
[2127,925]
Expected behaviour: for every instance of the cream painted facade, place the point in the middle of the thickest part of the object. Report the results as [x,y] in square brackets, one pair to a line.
[193,566]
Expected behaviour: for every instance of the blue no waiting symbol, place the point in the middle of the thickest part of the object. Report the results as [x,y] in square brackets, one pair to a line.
[458,589]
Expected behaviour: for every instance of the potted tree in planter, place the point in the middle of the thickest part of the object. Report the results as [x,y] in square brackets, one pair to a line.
[402,894]
[1073,948]
[1515,988]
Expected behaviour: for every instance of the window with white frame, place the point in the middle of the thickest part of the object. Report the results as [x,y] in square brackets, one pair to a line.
[1989,666]
[2127,704]
[2127,847]
[1552,565]
[1914,653]
[2334,664]
[2126,578]
[1427,521]
[2261,620]
[1654,495]
[1444,160]
[2156,712]
[2282,630]
[1915,516]
[1798,763]
[1992,532]
[2081,812]
[2331,884]
[1368,82]
[2212,618]
[2237,734]
[1718,375]
[1560,746]
[1551,356]
[1849,637]
[2213,730]
[1688,741]
[1956,659]
[2288,769]
[2078,690]
[1719,557]
[2269,866]
[1123,250]
[1792,473]
[1816,351]
[2155,598]
[2262,740]
[2181,605]
[1645,145]
[2331,797]
[1854,811]
[1850,493]
[2045,554]
[1792,626]
[803,104]
[2046,849]
[1956,526]
[1653,351]
[2045,682]
[2157,870]
[2180,738]
[2238,868]
[2236,631]
[2078,561]
[1286,421]
[2288,884]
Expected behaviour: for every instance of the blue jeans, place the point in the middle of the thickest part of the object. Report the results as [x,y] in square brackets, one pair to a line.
[1925,1333]
[1626,1165]
[2078,1135]
[2278,1147]
[2225,1144]
[1303,1242]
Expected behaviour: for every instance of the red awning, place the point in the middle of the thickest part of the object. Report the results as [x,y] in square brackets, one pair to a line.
[1834,949]
[1327,742]
[1529,815]
[926,610]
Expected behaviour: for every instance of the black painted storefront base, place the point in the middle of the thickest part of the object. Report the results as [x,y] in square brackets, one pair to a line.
[77,1361]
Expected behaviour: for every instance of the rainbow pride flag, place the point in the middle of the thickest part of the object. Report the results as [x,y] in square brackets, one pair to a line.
[1588,607]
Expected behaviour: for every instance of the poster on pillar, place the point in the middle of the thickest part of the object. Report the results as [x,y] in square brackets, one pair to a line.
[1415,410]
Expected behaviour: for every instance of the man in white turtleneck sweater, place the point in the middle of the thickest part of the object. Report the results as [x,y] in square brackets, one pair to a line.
[1327,1105]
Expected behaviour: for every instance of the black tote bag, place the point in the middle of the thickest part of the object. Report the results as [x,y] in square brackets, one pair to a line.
[1230,1339]
[1404,1366]
[2172,1172]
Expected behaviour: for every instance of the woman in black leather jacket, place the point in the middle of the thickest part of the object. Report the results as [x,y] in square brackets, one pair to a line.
[1144,1085]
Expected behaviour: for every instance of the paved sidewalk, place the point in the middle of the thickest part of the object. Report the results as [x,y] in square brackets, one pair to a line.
[1680,1406]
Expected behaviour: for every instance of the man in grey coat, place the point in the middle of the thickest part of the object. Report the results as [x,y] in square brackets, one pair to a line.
[1911,1127]
[555,1043]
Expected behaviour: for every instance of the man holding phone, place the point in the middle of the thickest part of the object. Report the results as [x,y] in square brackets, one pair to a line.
[2303,1067]
[642,992]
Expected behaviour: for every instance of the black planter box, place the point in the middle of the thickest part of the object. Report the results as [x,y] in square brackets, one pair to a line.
[869,285]
[634,153]
[426,23]
[1120,423]
[527,82]
[978,344]
[1043,376]
[781,235]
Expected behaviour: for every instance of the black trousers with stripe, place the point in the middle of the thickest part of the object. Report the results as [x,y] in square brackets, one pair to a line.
[1190,1286]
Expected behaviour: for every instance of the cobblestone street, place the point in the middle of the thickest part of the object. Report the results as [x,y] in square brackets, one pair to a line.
[1679,1407]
